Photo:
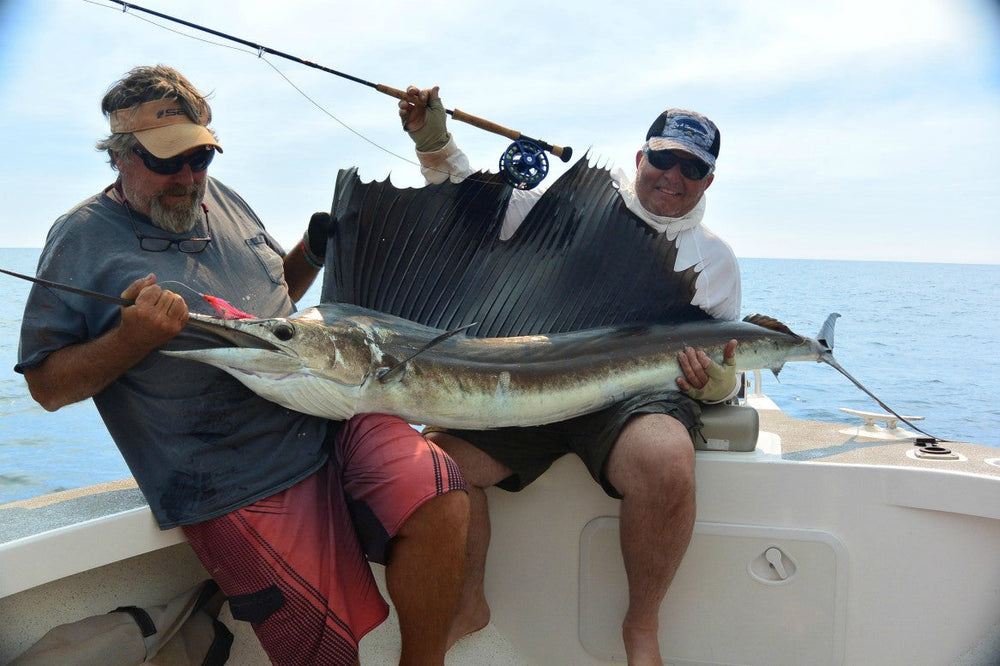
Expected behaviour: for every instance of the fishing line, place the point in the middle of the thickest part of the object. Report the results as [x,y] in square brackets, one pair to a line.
[183,286]
[260,56]
[124,10]
[523,165]
[342,123]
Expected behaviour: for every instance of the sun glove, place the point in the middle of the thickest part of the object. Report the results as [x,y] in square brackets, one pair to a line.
[432,135]
[721,383]
[314,239]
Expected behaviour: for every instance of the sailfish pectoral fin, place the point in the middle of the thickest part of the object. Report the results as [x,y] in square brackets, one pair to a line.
[386,373]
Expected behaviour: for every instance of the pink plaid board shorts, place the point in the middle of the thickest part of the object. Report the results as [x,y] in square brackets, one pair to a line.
[294,564]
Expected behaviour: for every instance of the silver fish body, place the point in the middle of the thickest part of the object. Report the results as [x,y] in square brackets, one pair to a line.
[338,360]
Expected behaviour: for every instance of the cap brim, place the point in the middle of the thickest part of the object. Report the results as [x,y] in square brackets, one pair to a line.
[659,143]
[171,140]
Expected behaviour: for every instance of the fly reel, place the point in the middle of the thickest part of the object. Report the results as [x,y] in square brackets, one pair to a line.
[524,164]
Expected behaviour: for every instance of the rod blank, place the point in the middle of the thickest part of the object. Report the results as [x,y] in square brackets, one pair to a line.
[563,153]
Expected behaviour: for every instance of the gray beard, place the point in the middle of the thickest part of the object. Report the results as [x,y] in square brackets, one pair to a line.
[179,219]
[176,220]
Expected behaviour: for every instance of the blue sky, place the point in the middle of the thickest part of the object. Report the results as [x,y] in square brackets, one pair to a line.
[850,129]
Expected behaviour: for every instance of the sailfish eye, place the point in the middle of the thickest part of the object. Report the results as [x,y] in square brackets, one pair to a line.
[284,332]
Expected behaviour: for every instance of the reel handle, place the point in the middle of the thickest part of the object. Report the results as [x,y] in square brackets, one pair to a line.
[563,153]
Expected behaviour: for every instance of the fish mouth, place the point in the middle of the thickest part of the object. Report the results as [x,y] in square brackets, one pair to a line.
[230,333]
[242,352]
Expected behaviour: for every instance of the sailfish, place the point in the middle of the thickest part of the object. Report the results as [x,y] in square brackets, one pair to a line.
[428,315]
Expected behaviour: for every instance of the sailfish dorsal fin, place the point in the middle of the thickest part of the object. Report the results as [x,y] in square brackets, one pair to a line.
[433,255]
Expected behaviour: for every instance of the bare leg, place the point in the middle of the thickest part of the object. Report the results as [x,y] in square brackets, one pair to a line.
[652,466]
[480,472]
[424,576]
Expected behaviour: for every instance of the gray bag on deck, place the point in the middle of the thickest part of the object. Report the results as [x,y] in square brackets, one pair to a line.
[184,631]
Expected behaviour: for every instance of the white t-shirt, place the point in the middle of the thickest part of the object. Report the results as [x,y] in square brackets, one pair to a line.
[717,289]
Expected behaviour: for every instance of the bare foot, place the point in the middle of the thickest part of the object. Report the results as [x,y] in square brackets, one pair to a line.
[468,621]
[642,647]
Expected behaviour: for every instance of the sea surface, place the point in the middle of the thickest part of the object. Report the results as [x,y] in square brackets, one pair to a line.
[922,337]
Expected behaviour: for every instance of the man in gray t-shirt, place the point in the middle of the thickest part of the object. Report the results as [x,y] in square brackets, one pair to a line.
[272,501]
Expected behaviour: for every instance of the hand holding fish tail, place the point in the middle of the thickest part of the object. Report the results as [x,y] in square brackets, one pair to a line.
[156,317]
[706,380]
[424,118]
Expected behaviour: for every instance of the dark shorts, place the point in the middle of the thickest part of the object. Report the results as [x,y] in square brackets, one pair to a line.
[531,451]
[296,564]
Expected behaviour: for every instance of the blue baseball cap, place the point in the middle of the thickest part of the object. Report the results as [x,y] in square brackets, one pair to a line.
[679,129]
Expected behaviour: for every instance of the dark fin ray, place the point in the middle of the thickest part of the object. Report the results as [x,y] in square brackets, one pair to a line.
[433,255]
[400,251]
[573,265]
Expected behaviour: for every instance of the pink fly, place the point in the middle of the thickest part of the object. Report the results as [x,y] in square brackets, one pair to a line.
[226,310]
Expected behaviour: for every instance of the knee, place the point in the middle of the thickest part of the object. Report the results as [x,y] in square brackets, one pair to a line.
[439,518]
[453,507]
[666,469]
[653,455]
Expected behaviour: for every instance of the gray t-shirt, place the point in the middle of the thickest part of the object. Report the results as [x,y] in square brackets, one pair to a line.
[198,442]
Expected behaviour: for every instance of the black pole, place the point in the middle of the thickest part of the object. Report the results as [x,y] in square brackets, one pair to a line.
[562,152]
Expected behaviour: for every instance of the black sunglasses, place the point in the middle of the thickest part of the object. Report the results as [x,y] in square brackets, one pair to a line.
[162,244]
[664,160]
[198,161]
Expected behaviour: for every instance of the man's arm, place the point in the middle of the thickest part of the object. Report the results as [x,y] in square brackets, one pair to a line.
[304,262]
[425,120]
[80,371]
[299,273]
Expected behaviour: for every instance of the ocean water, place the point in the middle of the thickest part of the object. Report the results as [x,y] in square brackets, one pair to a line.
[922,337]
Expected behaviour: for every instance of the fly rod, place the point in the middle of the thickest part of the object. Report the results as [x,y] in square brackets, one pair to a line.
[125,302]
[523,163]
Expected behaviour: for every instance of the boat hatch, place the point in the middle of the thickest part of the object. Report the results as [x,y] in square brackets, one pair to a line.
[759,586]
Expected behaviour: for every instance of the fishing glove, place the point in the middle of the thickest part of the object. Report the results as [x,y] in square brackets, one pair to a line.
[721,383]
[314,239]
[432,135]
